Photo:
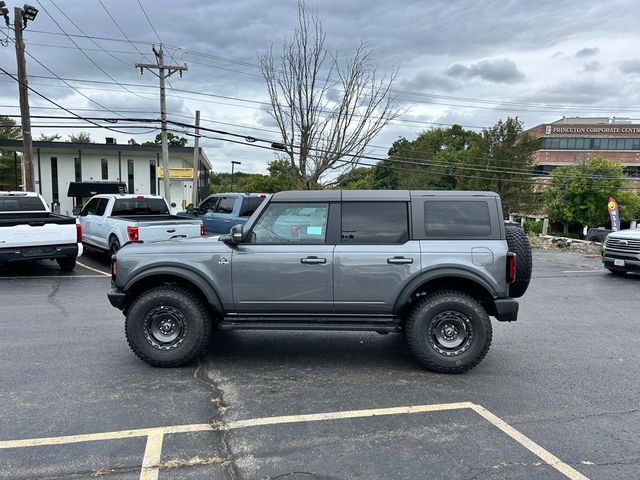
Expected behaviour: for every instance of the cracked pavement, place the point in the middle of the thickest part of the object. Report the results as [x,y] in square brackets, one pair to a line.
[565,375]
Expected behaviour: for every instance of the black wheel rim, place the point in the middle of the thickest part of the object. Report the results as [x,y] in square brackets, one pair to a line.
[114,248]
[165,327]
[450,333]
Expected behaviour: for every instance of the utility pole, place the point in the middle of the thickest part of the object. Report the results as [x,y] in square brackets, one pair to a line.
[21,16]
[196,161]
[233,164]
[164,72]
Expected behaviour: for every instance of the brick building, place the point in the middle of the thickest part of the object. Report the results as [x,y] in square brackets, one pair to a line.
[574,140]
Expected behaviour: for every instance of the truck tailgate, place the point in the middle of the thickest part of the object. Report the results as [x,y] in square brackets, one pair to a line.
[37,234]
[166,230]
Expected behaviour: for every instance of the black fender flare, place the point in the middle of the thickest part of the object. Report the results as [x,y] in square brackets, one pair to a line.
[192,276]
[442,272]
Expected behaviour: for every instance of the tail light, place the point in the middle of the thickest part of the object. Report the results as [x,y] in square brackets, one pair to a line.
[511,267]
[202,229]
[114,267]
[132,233]
[78,233]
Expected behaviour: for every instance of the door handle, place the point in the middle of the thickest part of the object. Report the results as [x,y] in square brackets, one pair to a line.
[227,221]
[313,260]
[399,260]
[171,231]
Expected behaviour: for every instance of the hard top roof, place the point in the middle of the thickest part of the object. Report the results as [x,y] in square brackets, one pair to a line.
[370,195]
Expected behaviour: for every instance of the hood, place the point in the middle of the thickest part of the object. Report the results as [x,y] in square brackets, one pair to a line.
[631,234]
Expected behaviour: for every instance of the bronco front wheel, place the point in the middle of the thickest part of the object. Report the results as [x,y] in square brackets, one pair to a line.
[167,326]
[449,332]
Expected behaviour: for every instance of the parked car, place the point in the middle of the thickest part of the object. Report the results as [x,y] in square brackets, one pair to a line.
[432,265]
[221,211]
[597,234]
[621,251]
[30,231]
[110,220]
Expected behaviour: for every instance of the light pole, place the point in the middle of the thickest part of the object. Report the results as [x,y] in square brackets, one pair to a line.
[233,164]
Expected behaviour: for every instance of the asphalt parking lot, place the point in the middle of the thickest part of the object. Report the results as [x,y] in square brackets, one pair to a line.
[556,397]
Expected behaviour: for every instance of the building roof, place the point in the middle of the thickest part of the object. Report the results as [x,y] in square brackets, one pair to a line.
[68,147]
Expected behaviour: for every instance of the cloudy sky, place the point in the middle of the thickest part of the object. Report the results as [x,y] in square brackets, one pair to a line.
[470,62]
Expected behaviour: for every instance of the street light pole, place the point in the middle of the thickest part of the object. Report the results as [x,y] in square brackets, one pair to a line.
[233,164]
[21,16]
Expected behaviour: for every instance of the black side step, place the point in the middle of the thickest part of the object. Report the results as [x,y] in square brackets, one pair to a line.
[350,323]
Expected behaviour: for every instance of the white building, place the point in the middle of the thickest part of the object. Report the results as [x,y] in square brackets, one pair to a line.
[102,166]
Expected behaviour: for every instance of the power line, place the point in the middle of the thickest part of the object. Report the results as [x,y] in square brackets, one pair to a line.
[85,53]
[149,20]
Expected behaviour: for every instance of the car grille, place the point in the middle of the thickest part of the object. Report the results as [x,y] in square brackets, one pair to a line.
[623,245]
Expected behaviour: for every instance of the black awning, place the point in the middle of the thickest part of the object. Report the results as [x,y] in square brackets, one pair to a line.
[89,189]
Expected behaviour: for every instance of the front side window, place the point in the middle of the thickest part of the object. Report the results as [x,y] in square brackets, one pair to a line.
[375,222]
[301,223]
[457,219]
[102,206]
[209,205]
[90,208]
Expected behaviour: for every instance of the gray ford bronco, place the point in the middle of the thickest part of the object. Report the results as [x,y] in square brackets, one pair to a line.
[434,265]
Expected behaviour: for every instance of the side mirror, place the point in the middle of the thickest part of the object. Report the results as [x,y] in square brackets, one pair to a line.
[83,213]
[235,236]
[190,209]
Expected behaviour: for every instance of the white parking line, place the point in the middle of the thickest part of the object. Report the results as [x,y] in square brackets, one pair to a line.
[93,269]
[153,450]
[583,271]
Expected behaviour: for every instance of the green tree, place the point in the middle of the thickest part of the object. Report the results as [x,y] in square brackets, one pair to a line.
[82,137]
[357,179]
[500,159]
[48,138]
[10,172]
[579,193]
[384,176]
[430,161]
[172,140]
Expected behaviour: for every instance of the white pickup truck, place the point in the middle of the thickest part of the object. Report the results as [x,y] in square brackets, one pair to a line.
[29,231]
[110,220]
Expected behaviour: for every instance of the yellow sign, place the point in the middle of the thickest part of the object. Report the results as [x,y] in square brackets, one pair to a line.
[177,173]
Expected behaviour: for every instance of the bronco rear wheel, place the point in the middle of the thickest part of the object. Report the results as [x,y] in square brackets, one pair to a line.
[448,332]
[167,326]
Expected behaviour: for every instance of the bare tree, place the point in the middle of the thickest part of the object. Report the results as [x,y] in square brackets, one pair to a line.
[326,123]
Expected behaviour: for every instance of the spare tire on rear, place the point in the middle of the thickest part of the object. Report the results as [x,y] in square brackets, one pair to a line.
[518,243]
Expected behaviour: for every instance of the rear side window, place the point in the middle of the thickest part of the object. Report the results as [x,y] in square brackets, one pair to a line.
[21,204]
[140,206]
[375,222]
[226,205]
[250,205]
[457,219]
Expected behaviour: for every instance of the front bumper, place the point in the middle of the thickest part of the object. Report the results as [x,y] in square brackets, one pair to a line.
[631,260]
[506,309]
[116,298]
[16,254]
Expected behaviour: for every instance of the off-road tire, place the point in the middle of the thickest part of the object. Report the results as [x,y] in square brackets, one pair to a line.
[448,302]
[191,310]
[67,264]
[518,243]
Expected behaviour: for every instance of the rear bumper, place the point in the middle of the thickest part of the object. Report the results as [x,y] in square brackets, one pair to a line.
[506,309]
[43,252]
[116,298]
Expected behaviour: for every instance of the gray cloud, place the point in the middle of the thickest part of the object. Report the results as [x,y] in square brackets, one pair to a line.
[501,70]
[630,66]
[428,80]
[587,52]
[593,66]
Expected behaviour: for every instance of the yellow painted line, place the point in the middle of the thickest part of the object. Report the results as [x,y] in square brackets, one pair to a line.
[374,412]
[93,269]
[48,277]
[152,454]
[530,445]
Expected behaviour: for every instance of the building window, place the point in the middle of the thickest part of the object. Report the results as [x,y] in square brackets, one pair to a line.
[632,171]
[152,178]
[104,163]
[77,163]
[130,182]
[55,198]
